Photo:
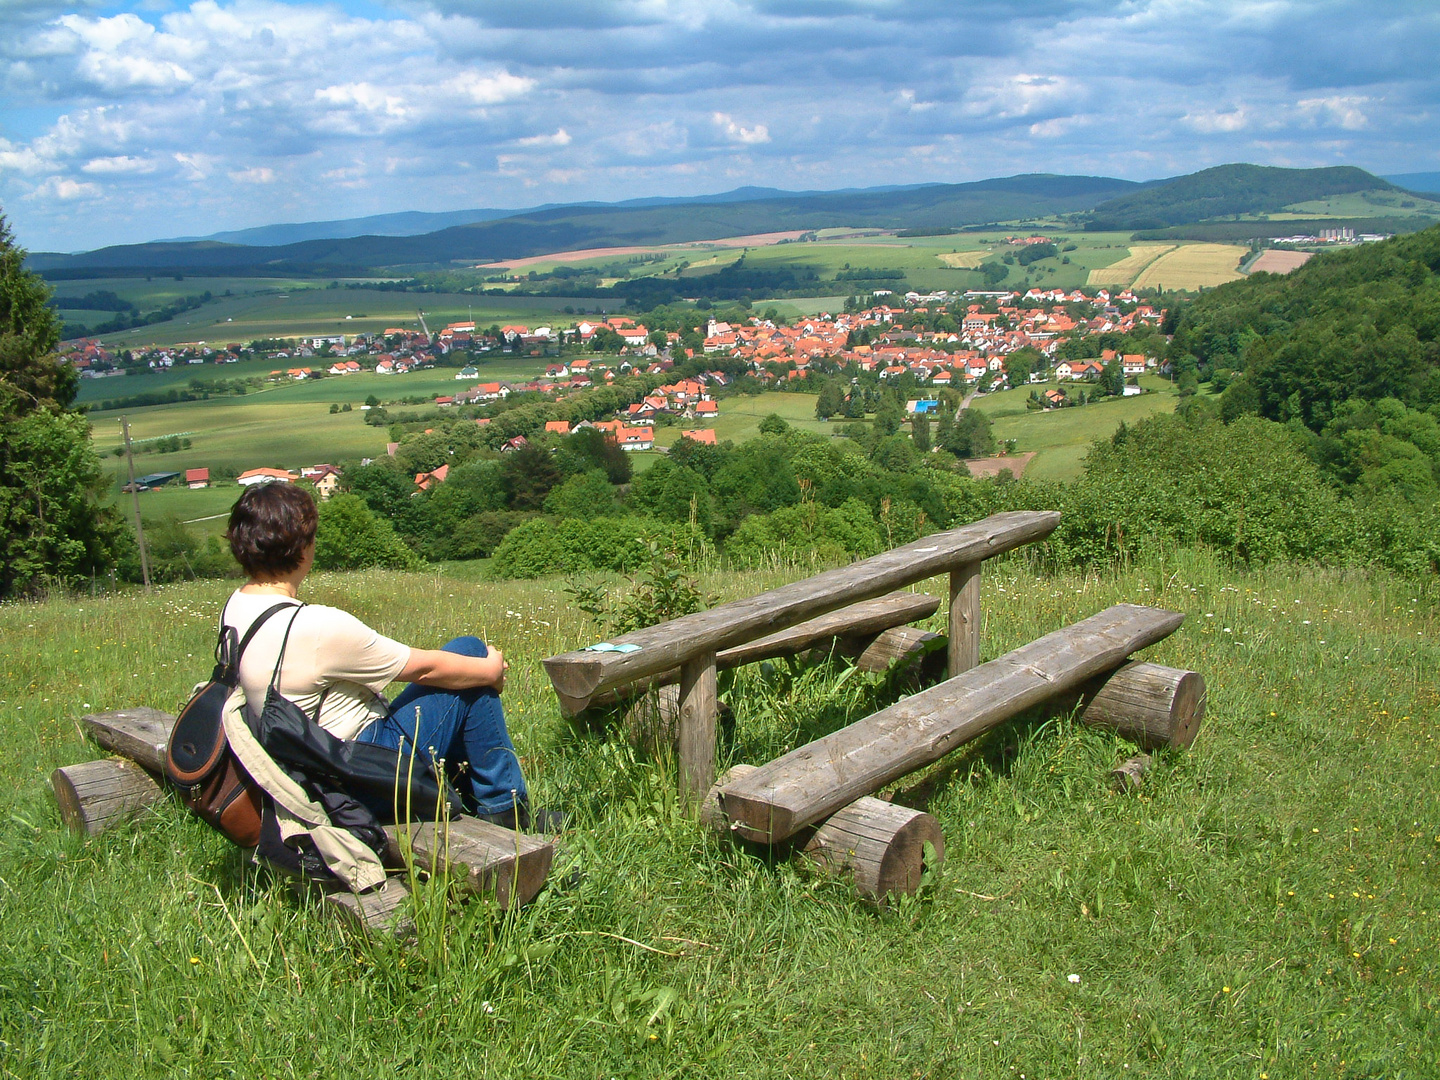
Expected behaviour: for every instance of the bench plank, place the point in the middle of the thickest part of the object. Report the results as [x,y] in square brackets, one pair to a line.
[484,857]
[863,620]
[140,734]
[815,780]
[580,675]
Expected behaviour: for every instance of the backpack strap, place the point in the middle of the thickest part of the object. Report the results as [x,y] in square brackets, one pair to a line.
[228,652]
[284,644]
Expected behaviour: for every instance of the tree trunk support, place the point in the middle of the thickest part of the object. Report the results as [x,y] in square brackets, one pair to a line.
[697,727]
[964,617]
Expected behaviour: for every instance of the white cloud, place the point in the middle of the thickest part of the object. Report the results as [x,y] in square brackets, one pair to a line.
[259,174]
[65,190]
[123,164]
[490,89]
[1344,111]
[735,133]
[1211,122]
[560,138]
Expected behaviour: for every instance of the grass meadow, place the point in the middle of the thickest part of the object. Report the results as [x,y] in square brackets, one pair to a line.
[1062,437]
[1266,907]
[270,313]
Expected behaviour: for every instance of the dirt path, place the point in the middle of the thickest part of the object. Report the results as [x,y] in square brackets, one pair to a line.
[990,467]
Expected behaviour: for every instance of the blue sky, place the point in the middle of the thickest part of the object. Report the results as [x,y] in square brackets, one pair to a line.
[128,121]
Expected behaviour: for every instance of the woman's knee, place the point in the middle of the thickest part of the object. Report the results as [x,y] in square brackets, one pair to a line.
[466,646]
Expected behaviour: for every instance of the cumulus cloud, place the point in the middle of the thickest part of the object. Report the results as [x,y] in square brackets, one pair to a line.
[110,112]
[736,133]
[561,137]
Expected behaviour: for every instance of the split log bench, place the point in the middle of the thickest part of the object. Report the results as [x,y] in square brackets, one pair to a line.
[807,799]
[812,782]
[691,644]
[482,858]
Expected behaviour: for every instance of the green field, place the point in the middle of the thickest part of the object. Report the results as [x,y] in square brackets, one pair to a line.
[315,310]
[1265,907]
[1061,437]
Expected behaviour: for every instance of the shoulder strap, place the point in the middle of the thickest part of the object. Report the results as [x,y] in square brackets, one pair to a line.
[259,622]
[228,652]
[284,644]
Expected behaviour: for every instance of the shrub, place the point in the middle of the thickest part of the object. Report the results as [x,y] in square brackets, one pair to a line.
[350,537]
[546,546]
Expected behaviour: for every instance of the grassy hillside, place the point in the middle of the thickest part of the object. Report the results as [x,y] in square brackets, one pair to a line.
[1062,437]
[1230,189]
[1265,907]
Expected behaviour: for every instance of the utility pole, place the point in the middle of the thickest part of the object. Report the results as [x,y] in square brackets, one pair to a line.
[135,495]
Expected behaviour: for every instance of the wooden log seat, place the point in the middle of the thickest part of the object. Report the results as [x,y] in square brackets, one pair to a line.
[485,858]
[815,780]
[878,846]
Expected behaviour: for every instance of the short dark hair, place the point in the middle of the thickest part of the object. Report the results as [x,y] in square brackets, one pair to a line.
[271,525]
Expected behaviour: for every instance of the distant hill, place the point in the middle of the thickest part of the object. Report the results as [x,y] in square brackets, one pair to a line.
[419,222]
[1225,191]
[645,221]
[1428,182]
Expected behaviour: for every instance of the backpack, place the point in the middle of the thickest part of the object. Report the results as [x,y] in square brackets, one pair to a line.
[198,758]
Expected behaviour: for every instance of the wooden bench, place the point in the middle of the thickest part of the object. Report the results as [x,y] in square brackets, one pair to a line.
[690,645]
[482,858]
[810,783]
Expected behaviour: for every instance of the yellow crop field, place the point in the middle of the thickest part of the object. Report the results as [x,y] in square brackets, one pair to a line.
[1193,266]
[961,260]
[1127,269]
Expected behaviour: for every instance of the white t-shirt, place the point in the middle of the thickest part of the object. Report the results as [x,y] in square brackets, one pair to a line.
[328,648]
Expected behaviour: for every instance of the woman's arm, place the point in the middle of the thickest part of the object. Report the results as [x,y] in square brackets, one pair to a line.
[452,671]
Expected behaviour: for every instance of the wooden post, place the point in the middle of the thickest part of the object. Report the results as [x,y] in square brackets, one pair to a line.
[697,726]
[1129,775]
[964,617]
[97,794]
[879,846]
[140,734]
[135,496]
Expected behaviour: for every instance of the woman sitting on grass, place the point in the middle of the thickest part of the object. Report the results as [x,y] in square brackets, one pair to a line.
[333,662]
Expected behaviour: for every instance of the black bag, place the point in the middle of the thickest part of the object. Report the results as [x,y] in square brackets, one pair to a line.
[198,758]
[361,786]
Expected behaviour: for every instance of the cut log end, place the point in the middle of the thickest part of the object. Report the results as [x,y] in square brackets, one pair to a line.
[1152,705]
[379,910]
[880,847]
[95,795]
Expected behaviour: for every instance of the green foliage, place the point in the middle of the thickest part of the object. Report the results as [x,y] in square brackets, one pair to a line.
[477,537]
[804,532]
[666,589]
[587,494]
[527,475]
[52,526]
[1362,323]
[774,424]
[588,449]
[544,546]
[969,435]
[350,537]
[176,554]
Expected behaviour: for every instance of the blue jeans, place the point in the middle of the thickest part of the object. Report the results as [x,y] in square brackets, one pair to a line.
[466,728]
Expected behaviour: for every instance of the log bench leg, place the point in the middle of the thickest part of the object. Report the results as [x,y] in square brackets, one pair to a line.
[697,727]
[878,845]
[964,618]
[94,795]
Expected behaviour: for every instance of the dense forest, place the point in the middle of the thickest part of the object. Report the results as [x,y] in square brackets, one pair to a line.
[1345,351]
[1226,190]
